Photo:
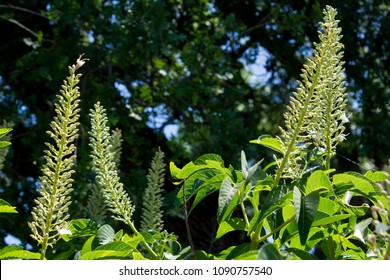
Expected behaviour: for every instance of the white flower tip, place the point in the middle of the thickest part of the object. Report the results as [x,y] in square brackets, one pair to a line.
[80,61]
[63,231]
[344,118]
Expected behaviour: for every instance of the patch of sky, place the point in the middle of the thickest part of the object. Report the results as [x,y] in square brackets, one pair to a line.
[257,72]
[123,91]
[28,118]
[158,117]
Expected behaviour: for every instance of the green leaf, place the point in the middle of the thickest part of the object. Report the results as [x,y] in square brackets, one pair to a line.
[361,183]
[330,220]
[226,201]
[4,144]
[269,142]
[207,188]
[247,171]
[81,227]
[360,229]
[305,210]
[269,252]
[234,252]
[206,158]
[207,161]
[17,252]
[113,250]
[105,234]
[4,131]
[302,254]
[229,226]
[317,180]
[376,177]
[87,247]
[5,207]
[278,197]
[327,206]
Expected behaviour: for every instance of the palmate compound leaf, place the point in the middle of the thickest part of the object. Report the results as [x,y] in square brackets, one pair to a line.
[305,211]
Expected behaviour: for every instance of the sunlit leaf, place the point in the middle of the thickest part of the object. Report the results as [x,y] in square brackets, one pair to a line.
[269,142]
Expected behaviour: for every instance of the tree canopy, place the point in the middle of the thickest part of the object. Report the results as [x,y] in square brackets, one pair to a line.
[161,66]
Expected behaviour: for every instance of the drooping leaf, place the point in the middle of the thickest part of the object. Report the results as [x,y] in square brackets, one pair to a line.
[305,210]
[210,186]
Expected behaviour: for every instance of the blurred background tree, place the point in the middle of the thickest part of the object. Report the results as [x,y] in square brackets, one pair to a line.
[191,77]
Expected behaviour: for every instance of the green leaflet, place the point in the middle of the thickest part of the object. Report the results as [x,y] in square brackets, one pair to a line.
[204,162]
[277,198]
[80,228]
[227,199]
[305,210]
[5,207]
[318,180]
[376,177]
[229,226]
[3,132]
[269,142]
[113,250]
[105,234]
[362,185]
[269,252]
[201,177]
[17,252]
